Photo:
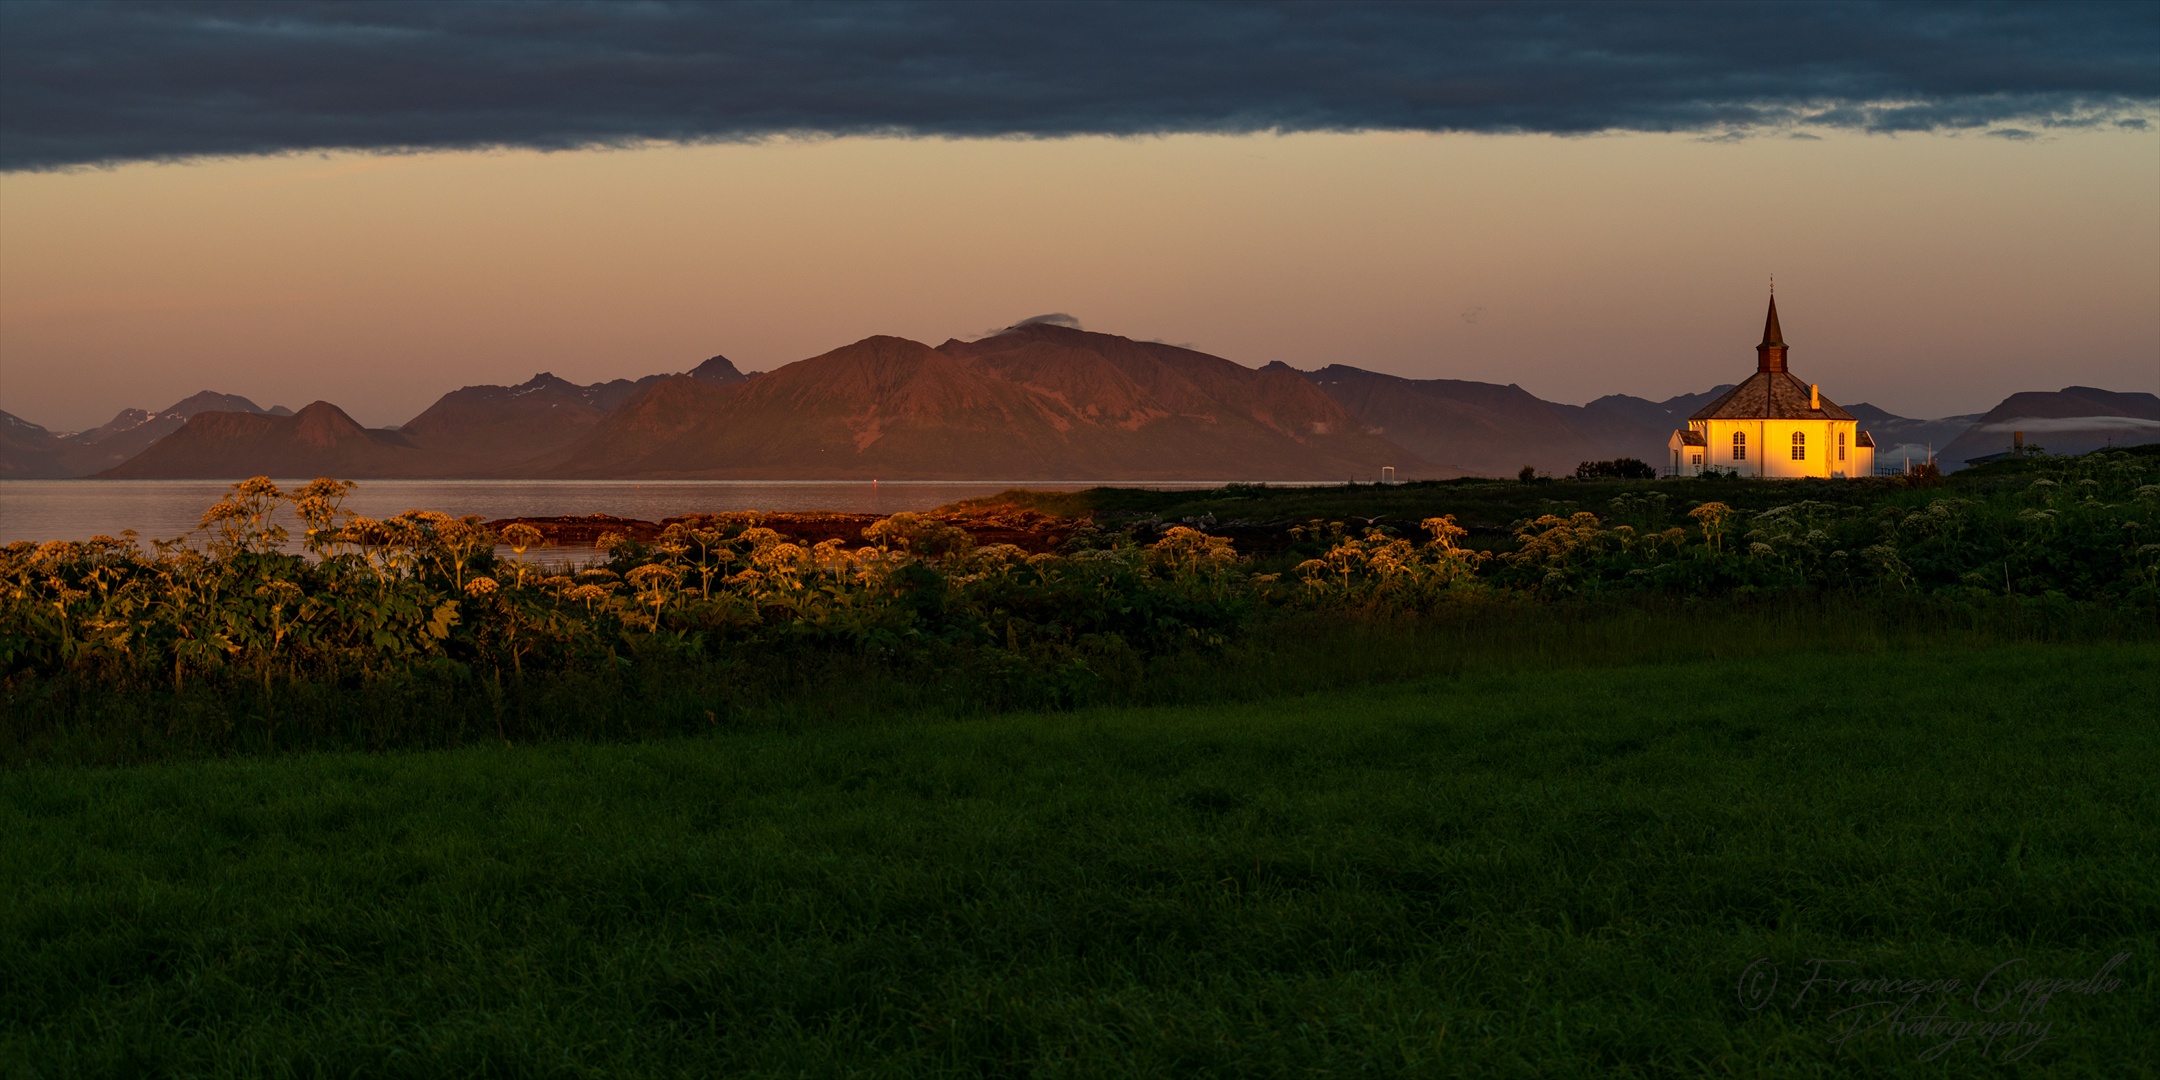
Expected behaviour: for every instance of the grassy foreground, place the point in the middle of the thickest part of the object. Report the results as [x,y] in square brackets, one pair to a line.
[1563,872]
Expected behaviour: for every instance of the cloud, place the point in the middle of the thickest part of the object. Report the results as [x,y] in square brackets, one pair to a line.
[1056,318]
[91,83]
[2045,425]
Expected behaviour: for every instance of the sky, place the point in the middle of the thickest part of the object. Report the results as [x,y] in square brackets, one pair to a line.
[374,205]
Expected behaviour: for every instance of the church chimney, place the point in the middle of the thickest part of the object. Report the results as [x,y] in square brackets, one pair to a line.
[1814,397]
[1770,355]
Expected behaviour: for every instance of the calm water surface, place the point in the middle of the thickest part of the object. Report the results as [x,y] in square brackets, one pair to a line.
[81,509]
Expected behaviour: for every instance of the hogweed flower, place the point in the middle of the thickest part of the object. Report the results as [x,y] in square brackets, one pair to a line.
[521,536]
[647,576]
[588,595]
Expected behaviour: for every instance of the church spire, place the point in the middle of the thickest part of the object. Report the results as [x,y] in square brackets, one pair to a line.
[1770,355]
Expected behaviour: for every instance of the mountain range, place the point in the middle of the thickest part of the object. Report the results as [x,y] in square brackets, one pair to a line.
[1038,401]
[27,450]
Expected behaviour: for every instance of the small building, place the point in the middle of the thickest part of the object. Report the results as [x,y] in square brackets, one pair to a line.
[1774,426]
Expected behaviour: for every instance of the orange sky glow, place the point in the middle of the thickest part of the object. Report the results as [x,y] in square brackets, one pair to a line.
[1926,274]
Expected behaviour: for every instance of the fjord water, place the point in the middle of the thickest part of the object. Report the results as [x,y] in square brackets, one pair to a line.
[80,509]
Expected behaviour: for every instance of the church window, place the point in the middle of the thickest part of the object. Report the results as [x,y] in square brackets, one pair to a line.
[1739,446]
[1799,446]
[1841,446]
[1698,459]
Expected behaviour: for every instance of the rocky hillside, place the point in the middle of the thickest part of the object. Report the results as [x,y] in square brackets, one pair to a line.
[1035,402]
[319,440]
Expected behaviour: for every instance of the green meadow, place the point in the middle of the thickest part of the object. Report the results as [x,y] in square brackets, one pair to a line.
[1436,858]
[1544,779]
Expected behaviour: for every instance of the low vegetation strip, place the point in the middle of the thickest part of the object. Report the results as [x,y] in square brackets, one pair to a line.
[423,599]
[1569,871]
[1030,530]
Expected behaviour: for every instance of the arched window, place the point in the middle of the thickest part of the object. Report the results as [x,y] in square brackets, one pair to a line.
[1739,446]
[1841,446]
[1799,446]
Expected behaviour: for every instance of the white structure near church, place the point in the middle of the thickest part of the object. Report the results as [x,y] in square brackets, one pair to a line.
[1774,426]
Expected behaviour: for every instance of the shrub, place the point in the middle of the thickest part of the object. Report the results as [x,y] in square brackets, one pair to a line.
[1626,468]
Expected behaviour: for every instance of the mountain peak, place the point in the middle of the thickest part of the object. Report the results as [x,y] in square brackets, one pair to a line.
[1869,414]
[322,424]
[543,380]
[209,401]
[13,422]
[719,369]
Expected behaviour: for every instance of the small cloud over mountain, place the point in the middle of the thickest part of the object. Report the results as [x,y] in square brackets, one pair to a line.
[2053,424]
[1055,318]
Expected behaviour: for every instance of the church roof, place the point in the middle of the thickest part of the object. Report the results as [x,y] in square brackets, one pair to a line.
[1769,395]
[1771,334]
[1772,393]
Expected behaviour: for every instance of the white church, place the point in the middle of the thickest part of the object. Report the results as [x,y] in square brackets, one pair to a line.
[1773,426]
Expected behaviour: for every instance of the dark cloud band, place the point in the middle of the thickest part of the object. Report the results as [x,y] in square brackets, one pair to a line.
[87,83]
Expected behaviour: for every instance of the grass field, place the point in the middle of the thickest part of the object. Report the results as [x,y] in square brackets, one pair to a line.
[1506,870]
[1492,507]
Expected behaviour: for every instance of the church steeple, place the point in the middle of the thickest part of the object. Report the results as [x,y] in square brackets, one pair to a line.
[1770,355]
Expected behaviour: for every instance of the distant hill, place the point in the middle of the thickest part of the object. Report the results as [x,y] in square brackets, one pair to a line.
[1464,427]
[2072,420]
[124,436]
[1038,401]
[490,430]
[132,432]
[28,451]
[319,440]
[1899,439]
[1662,416]
[1486,429]
[718,369]
[480,430]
